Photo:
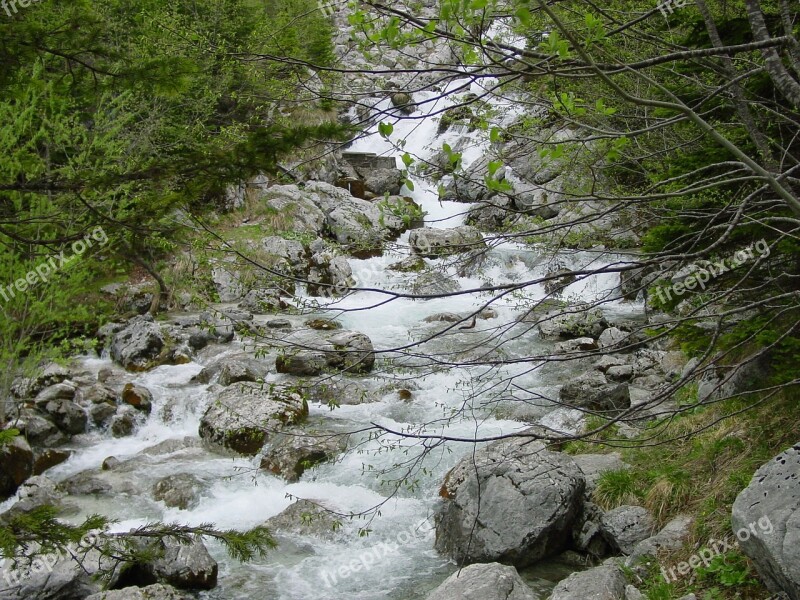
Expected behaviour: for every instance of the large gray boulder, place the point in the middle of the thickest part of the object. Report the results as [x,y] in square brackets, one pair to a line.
[69,416]
[383,181]
[353,352]
[514,504]
[432,283]
[606,582]
[491,581]
[305,517]
[672,537]
[243,415]
[294,209]
[156,591]
[431,242]
[352,221]
[766,521]
[178,491]
[137,345]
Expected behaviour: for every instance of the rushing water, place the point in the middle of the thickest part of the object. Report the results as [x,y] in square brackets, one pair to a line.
[396,559]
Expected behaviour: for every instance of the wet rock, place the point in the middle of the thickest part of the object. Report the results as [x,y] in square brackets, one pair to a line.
[432,283]
[137,396]
[354,352]
[411,264]
[576,322]
[403,102]
[626,526]
[234,369]
[528,498]
[60,391]
[156,591]
[101,413]
[289,454]
[561,279]
[582,344]
[138,345]
[279,324]
[16,465]
[245,414]
[49,458]
[301,364]
[28,387]
[444,318]
[262,302]
[178,491]
[432,243]
[352,221]
[329,276]
[593,392]
[37,429]
[766,521]
[606,582]
[98,394]
[614,337]
[54,576]
[620,373]
[383,181]
[86,483]
[36,492]
[296,209]
[123,422]
[68,416]
[110,463]
[491,581]
[304,518]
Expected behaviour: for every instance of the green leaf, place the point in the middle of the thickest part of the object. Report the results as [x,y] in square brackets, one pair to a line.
[385,129]
[407,160]
[494,135]
[409,185]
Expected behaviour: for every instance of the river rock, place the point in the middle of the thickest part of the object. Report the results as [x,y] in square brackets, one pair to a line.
[594,465]
[351,221]
[290,453]
[431,243]
[123,422]
[156,591]
[606,582]
[301,364]
[768,510]
[353,352]
[137,345]
[432,283]
[185,566]
[383,181]
[304,518]
[244,415]
[593,392]
[178,491]
[28,387]
[37,429]
[60,391]
[613,337]
[16,465]
[68,416]
[98,394]
[626,526]
[49,458]
[53,576]
[296,209]
[528,500]
[576,322]
[137,396]
[262,302]
[330,275]
[101,413]
[491,581]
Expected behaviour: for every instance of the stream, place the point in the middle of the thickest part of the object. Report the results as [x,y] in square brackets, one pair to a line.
[397,560]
